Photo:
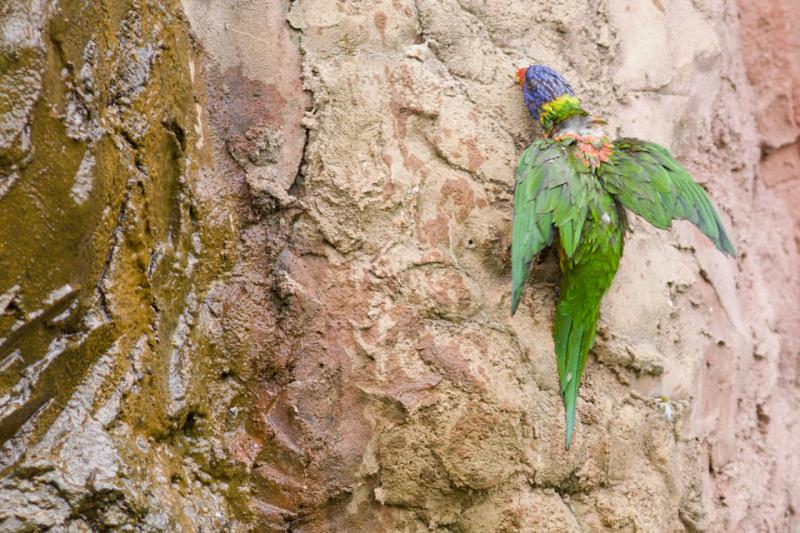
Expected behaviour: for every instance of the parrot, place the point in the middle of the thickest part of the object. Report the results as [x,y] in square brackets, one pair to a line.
[573,185]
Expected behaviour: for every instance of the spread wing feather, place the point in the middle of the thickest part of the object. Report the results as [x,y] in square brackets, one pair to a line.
[550,194]
[646,179]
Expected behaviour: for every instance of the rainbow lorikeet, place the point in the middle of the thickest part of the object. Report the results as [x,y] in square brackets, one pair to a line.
[575,182]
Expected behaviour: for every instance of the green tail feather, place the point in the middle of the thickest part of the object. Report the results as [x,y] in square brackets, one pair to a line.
[574,333]
[585,278]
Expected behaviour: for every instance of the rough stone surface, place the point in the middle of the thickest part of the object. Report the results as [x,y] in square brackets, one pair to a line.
[257,270]
[108,374]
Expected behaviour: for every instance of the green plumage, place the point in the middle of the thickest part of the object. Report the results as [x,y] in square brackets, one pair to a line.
[557,191]
[647,180]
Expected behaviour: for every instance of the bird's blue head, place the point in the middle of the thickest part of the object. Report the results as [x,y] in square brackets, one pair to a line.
[540,85]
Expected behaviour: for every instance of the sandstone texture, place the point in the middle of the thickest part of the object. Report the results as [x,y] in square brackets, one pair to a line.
[254,270]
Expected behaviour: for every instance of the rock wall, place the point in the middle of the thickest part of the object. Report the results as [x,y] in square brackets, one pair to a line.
[108,253]
[258,273]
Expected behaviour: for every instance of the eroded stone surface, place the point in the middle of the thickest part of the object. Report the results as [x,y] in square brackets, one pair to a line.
[107,375]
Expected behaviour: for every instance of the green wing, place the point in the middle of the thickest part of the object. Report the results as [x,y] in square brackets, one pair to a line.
[549,194]
[646,179]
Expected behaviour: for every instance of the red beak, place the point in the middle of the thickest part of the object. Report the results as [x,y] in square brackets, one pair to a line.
[521,76]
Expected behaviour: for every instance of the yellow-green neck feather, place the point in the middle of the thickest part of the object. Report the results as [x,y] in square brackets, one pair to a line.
[558,110]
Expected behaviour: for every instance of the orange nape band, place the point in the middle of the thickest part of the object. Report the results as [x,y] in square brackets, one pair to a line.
[521,76]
